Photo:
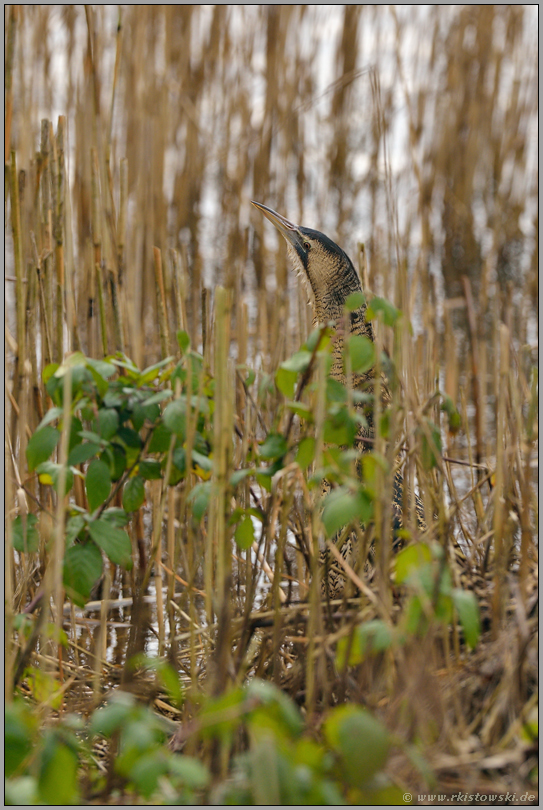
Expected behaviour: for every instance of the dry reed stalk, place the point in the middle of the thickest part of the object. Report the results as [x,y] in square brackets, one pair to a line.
[162,309]
[101,308]
[8,80]
[158,500]
[19,387]
[219,538]
[315,613]
[57,206]
[53,582]
[500,482]
[171,557]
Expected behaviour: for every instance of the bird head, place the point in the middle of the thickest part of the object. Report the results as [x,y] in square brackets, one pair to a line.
[326,268]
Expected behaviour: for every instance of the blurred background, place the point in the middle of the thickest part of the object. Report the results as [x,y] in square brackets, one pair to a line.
[409,129]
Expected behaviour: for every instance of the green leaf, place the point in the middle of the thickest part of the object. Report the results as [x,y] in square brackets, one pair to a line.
[129,437]
[101,367]
[21,791]
[160,440]
[150,470]
[240,475]
[115,457]
[341,507]
[50,416]
[115,542]
[25,536]
[58,783]
[430,444]
[116,516]
[167,675]
[49,371]
[160,396]
[179,458]
[20,726]
[466,605]
[320,338]
[190,771]
[41,445]
[82,569]
[372,637]
[372,464]
[147,770]
[114,715]
[285,381]
[410,560]
[361,352]
[202,461]
[133,494]
[355,301]
[245,533]
[138,416]
[93,437]
[389,311]
[97,483]
[301,410]
[305,452]
[455,420]
[107,423]
[183,340]
[175,417]
[277,705]
[82,452]
[74,438]
[340,427]
[335,391]
[361,741]
[49,474]
[74,526]
[264,477]
[298,362]
[274,446]
[198,499]
[151,373]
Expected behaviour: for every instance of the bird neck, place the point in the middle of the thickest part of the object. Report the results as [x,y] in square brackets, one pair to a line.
[329,303]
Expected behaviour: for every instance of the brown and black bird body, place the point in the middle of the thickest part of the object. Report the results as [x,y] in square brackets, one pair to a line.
[331,278]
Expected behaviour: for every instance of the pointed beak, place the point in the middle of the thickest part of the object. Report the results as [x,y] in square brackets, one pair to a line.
[290,231]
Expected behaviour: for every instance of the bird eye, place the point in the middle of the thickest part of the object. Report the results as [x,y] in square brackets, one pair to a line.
[307,245]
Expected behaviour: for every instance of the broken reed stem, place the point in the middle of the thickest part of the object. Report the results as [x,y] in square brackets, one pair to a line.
[500,477]
[117,284]
[9,578]
[57,189]
[46,241]
[170,552]
[161,301]
[158,514]
[8,80]
[96,224]
[526,485]
[315,615]
[101,308]
[117,314]
[19,388]
[472,323]
[57,553]
[218,538]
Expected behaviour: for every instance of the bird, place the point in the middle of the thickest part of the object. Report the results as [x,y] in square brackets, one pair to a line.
[330,278]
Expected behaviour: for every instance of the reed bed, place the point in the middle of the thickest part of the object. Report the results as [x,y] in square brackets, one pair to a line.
[135,138]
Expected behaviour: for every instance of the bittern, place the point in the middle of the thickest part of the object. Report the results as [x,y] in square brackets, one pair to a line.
[331,278]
